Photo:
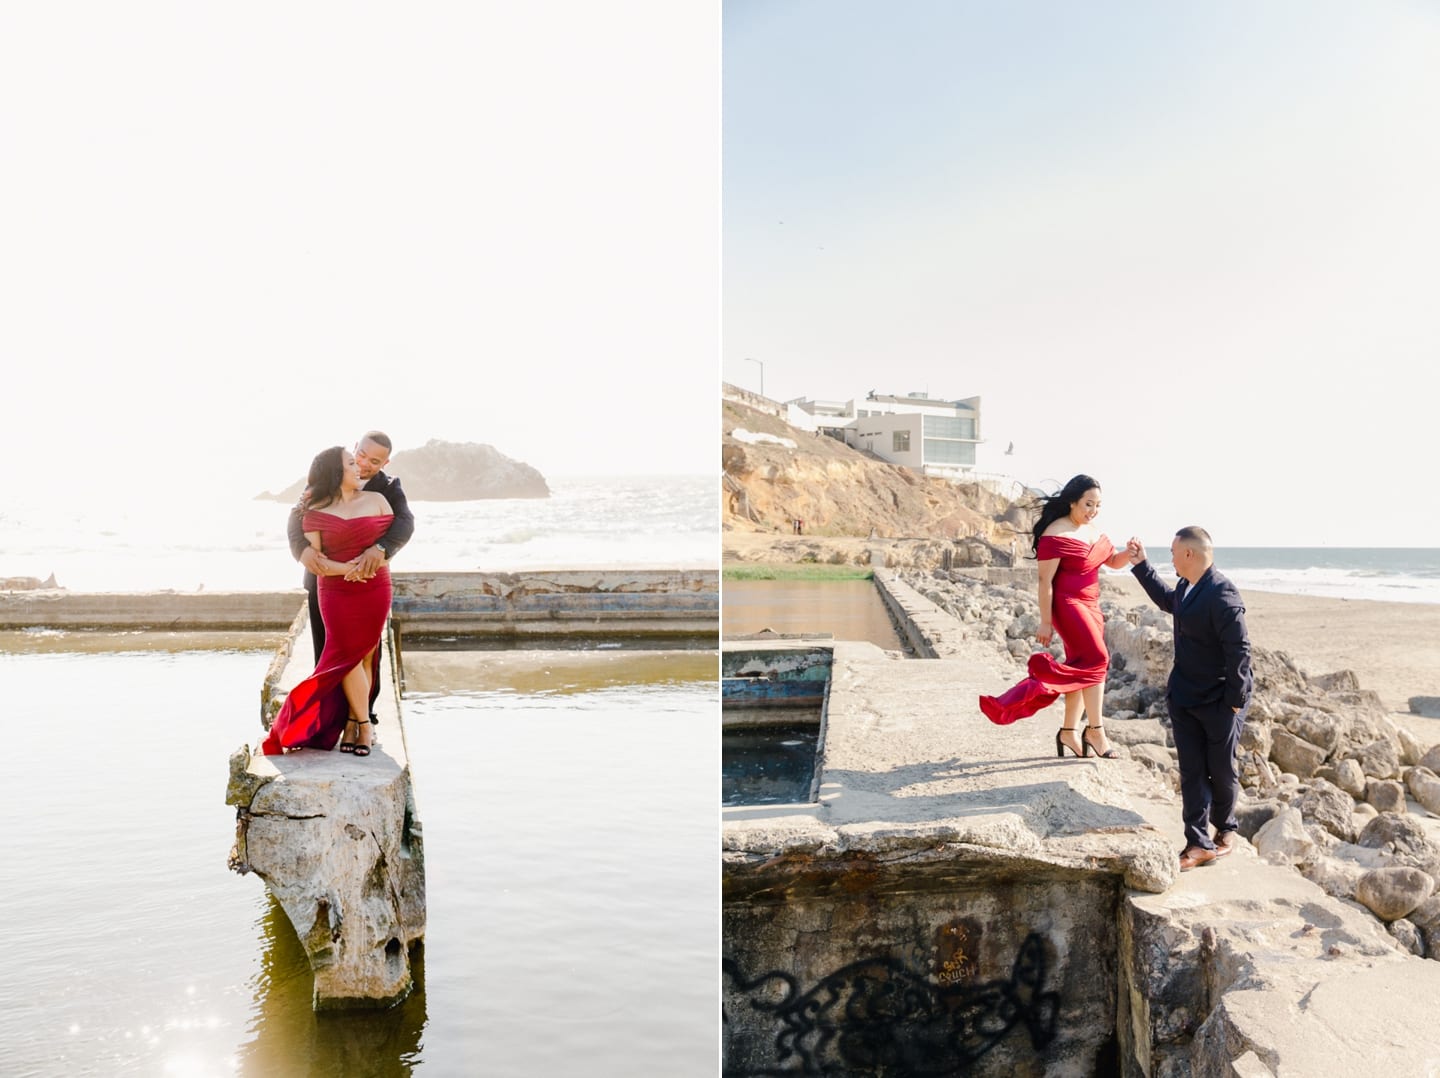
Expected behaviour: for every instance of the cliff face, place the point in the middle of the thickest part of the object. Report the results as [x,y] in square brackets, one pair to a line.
[442,471]
[839,491]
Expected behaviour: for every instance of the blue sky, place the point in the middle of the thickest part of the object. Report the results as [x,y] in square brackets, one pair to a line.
[1188,249]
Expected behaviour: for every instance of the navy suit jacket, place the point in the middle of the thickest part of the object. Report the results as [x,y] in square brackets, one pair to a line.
[1212,646]
[396,536]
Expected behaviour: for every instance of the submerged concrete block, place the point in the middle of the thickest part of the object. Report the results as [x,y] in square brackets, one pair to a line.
[338,842]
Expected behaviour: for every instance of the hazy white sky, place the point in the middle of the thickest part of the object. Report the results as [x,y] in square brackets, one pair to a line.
[1189,249]
[233,235]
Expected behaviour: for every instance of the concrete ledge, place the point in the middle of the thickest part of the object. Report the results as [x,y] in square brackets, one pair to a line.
[628,602]
[561,602]
[60,609]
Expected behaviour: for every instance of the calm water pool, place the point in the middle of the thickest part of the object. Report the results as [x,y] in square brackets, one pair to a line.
[846,609]
[573,893]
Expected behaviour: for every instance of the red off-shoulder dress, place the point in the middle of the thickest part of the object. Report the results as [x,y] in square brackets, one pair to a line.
[1075,614]
[314,712]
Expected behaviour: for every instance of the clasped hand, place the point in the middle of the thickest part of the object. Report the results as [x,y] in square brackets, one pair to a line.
[366,565]
[1136,549]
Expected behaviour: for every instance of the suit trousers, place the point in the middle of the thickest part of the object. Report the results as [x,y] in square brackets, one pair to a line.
[317,623]
[1206,737]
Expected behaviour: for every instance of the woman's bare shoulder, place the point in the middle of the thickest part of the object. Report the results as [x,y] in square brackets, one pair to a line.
[376,504]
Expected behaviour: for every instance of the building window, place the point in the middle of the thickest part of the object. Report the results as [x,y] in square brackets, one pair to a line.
[939,426]
[901,441]
[942,452]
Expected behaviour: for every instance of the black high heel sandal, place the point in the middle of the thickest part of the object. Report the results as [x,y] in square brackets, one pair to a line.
[1060,746]
[1110,754]
[346,744]
[359,749]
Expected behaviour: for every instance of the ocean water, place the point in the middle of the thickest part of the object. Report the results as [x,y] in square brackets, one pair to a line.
[664,522]
[1387,574]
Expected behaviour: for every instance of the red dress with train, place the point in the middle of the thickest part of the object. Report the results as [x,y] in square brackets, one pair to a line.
[1075,615]
[314,712]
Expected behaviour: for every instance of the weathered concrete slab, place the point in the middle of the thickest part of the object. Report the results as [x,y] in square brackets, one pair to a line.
[950,899]
[60,609]
[911,765]
[630,602]
[338,842]
[560,602]
[935,856]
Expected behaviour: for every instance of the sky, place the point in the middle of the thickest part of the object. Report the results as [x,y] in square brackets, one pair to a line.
[235,235]
[1187,249]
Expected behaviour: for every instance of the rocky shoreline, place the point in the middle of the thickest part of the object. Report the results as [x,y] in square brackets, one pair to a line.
[1335,783]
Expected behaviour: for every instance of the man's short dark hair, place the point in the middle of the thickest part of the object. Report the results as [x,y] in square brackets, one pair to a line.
[1196,535]
[379,438]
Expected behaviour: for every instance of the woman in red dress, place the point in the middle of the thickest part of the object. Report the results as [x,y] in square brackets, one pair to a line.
[1070,550]
[341,520]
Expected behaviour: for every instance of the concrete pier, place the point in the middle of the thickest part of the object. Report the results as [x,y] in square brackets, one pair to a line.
[338,841]
[957,899]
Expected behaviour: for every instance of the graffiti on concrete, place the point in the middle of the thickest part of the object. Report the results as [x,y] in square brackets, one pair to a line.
[876,1017]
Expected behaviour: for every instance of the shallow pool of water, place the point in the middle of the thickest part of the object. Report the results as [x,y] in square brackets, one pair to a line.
[573,893]
[845,609]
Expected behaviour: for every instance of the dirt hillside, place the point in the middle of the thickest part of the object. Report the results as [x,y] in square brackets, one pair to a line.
[775,474]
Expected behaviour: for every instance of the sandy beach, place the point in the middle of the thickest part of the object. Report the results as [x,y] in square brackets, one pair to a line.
[1393,648]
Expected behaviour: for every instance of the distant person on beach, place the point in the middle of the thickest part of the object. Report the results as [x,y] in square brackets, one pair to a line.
[341,521]
[1209,688]
[372,453]
[1070,551]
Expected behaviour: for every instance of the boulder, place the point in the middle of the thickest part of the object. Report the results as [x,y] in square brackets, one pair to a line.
[1330,807]
[1424,786]
[1403,839]
[1284,839]
[1294,755]
[1426,919]
[1156,757]
[1252,814]
[1138,732]
[1429,706]
[1378,759]
[1256,773]
[1340,680]
[1391,893]
[1337,878]
[27,583]
[1411,749]
[1431,759]
[1385,795]
[1318,728]
[1256,736]
[1407,936]
[1346,774]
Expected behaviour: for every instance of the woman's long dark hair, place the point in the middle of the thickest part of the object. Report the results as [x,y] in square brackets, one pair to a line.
[327,472]
[1055,506]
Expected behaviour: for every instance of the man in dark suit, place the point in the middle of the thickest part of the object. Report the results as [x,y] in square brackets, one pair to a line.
[372,453]
[1209,689]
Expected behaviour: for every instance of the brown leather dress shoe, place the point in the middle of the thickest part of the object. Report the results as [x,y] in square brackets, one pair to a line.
[1194,857]
[1224,843]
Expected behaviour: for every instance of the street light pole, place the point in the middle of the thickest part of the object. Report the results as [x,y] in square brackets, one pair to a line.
[762,373]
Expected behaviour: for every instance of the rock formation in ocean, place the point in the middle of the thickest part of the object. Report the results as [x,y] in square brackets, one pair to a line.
[441,471]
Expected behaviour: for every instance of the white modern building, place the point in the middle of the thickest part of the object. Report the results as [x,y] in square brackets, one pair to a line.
[934,437]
